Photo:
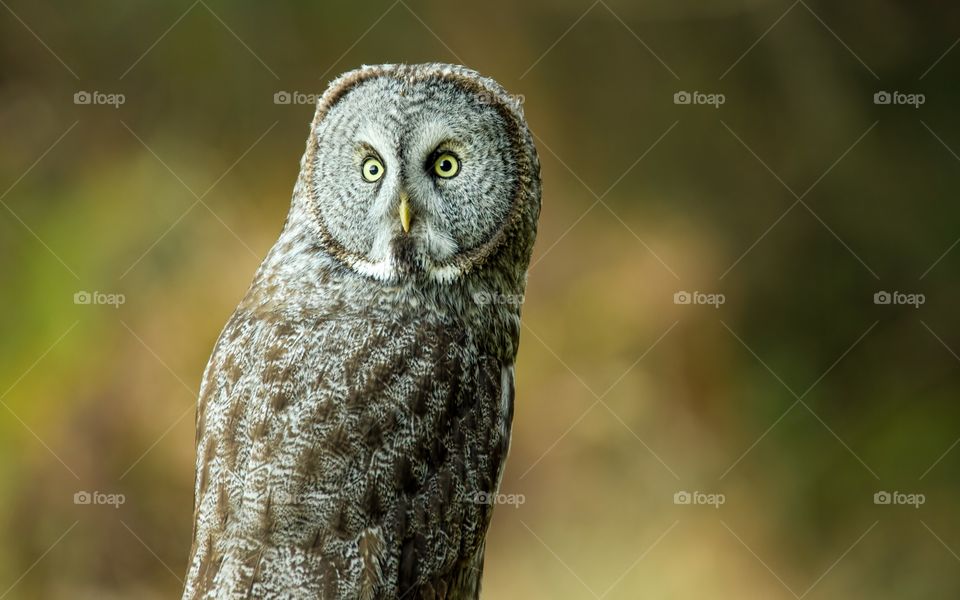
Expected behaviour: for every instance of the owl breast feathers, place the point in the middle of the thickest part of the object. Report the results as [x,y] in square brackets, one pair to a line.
[355,415]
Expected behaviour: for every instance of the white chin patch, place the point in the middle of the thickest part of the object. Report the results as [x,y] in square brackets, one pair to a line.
[444,273]
[382,265]
[386,271]
[383,270]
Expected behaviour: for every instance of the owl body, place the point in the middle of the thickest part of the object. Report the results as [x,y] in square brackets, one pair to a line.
[354,417]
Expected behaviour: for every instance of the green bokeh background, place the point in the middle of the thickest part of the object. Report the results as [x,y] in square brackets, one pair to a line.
[797,199]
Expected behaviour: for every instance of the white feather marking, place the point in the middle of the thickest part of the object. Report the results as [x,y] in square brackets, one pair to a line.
[506,385]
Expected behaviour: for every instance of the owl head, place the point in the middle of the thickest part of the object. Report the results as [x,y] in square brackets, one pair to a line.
[420,172]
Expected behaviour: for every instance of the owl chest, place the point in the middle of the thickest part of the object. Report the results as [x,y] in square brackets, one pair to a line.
[372,394]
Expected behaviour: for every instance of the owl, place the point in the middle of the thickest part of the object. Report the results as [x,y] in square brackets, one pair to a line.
[355,415]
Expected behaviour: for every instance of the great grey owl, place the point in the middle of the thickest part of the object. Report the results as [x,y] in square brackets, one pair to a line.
[355,415]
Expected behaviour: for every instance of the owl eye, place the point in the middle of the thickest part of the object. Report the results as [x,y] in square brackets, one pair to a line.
[447,165]
[372,169]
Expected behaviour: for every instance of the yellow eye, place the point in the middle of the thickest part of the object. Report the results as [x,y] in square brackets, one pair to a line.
[447,165]
[372,169]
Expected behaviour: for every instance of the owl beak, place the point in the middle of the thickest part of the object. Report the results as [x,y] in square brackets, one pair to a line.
[404,212]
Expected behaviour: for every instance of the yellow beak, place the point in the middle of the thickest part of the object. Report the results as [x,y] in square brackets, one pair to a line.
[404,212]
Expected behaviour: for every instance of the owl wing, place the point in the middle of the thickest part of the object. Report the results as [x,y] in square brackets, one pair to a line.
[347,457]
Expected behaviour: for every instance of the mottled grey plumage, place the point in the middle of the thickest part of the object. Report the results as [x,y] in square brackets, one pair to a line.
[356,409]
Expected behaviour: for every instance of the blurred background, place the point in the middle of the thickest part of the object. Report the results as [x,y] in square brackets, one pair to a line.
[739,368]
